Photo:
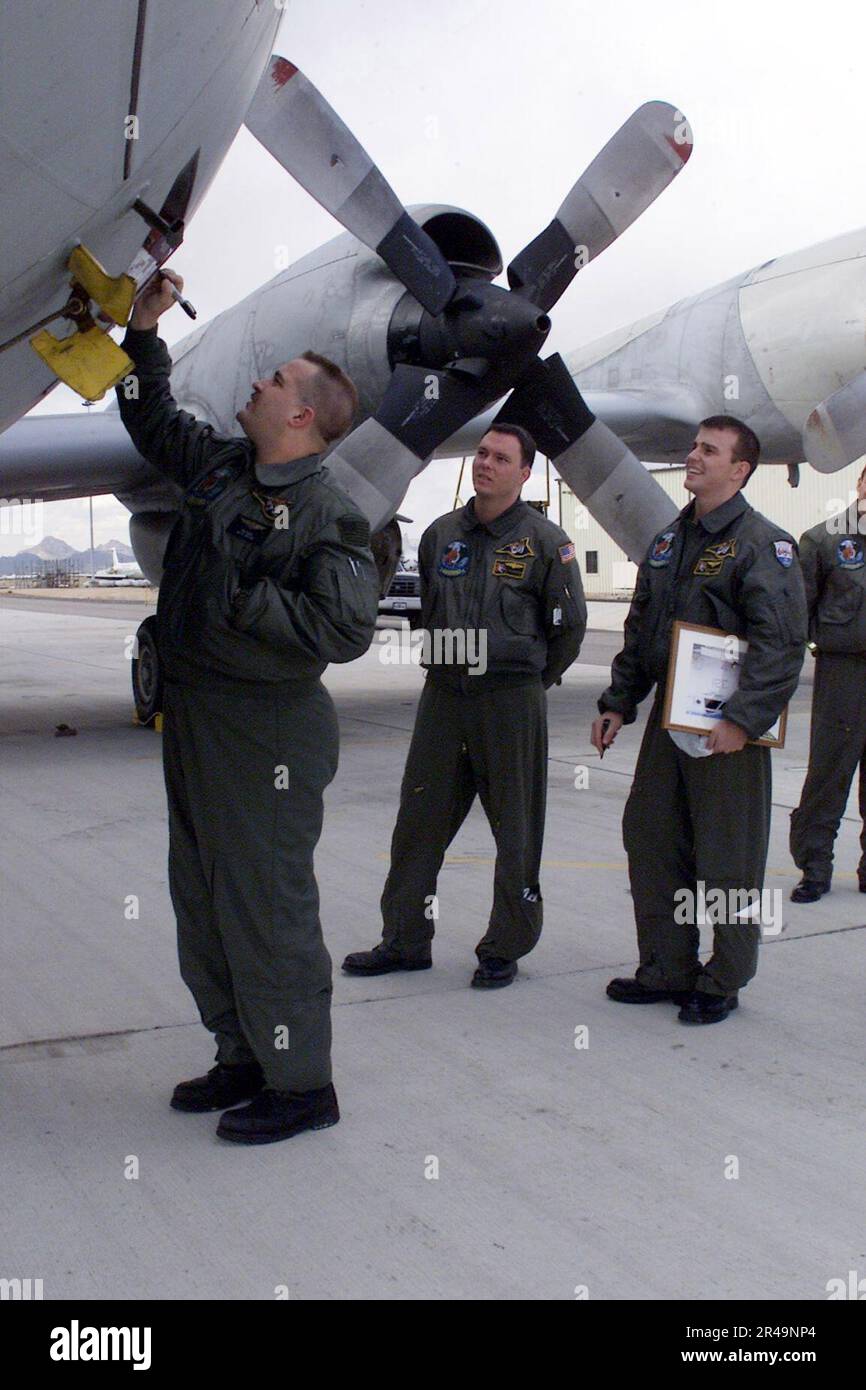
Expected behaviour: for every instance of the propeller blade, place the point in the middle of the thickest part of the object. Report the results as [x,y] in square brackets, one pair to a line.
[420,410]
[306,136]
[628,174]
[601,471]
[835,433]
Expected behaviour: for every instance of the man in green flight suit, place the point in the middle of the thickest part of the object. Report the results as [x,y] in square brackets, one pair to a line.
[503,615]
[268,577]
[834,570]
[701,824]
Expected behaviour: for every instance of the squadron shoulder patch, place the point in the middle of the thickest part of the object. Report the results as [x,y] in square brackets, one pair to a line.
[509,569]
[663,549]
[849,554]
[784,553]
[454,559]
[566,553]
[516,549]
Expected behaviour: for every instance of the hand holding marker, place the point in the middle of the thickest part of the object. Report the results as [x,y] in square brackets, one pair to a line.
[178,297]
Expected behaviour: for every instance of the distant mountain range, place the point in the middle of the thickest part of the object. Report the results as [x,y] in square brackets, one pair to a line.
[51,549]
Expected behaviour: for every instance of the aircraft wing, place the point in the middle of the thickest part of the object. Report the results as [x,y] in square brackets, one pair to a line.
[52,458]
[659,426]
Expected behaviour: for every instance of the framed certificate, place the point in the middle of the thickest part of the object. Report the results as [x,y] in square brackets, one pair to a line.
[703,673]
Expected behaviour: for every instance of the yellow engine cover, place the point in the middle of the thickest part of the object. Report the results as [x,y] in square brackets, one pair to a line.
[113,293]
[89,361]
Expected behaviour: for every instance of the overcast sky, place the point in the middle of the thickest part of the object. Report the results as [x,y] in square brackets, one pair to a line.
[498,105]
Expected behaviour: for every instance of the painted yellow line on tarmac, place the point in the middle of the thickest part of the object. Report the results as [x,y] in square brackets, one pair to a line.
[618,864]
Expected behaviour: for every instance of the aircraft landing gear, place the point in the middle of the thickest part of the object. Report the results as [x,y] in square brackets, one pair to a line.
[146,673]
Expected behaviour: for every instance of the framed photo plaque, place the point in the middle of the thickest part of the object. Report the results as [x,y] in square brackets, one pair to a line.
[703,673]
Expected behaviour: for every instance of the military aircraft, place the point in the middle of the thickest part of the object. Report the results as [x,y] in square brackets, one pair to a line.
[405,301]
[104,157]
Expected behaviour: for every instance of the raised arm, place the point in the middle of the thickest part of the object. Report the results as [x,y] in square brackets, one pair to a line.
[172,440]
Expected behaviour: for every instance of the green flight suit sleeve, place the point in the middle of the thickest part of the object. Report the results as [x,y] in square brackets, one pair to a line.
[563,615]
[425,558]
[172,440]
[629,682]
[772,600]
[813,573]
[425,570]
[329,607]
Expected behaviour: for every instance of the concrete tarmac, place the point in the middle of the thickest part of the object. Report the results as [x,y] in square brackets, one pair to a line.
[538,1142]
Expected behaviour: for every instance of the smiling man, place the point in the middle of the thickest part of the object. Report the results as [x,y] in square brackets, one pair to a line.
[705,820]
[268,577]
[501,576]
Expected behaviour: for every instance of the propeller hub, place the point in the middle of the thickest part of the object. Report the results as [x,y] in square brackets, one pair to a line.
[483,322]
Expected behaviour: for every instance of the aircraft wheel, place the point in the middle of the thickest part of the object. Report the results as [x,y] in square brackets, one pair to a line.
[146,672]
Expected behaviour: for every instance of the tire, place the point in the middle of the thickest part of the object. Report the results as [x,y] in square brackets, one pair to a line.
[414,621]
[147,673]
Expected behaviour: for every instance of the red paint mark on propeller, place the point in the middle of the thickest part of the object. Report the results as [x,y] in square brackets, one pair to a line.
[680,146]
[281,71]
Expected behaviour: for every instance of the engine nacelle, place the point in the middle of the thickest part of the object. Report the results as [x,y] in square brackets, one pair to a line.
[339,301]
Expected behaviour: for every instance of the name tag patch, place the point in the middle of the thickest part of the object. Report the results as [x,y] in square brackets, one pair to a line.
[247,528]
[509,569]
[850,554]
[663,549]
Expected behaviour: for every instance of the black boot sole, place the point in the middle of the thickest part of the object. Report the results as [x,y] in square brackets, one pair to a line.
[697,1019]
[201,1107]
[240,1138]
[386,969]
[804,902]
[483,983]
[678,997]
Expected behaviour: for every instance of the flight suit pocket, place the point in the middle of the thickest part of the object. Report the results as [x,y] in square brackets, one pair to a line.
[519,611]
[841,606]
[356,599]
[726,618]
[784,609]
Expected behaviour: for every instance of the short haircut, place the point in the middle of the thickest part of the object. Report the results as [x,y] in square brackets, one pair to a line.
[332,396]
[747,446]
[523,437]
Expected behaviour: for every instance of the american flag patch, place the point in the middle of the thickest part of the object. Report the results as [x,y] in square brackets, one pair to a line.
[566,552]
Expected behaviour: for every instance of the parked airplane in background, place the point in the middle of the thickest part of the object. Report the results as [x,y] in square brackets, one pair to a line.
[119,573]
